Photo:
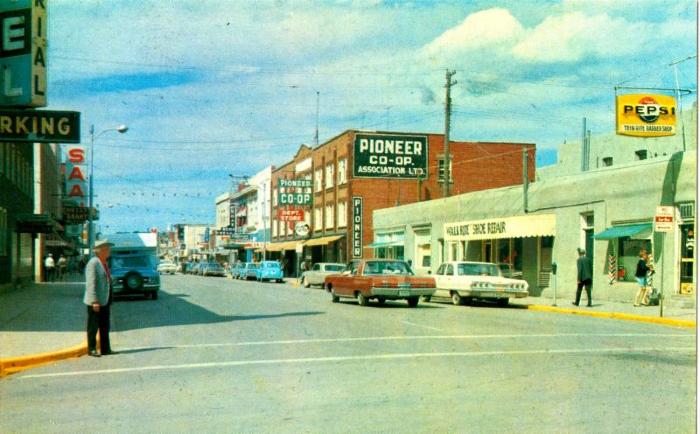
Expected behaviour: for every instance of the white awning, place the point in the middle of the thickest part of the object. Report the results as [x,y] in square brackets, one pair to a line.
[539,225]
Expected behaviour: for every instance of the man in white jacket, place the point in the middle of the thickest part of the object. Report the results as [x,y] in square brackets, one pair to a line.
[98,298]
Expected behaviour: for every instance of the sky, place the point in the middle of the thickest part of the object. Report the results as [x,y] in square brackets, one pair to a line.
[211,88]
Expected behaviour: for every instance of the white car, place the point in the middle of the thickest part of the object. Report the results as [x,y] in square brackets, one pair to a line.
[466,281]
[167,267]
[317,274]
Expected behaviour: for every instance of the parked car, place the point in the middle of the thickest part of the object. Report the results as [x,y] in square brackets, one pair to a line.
[317,274]
[168,267]
[233,269]
[195,268]
[247,271]
[381,280]
[212,269]
[269,270]
[466,281]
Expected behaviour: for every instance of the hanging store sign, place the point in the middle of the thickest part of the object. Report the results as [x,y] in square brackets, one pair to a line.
[290,215]
[294,192]
[357,227]
[542,225]
[76,174]
[302,230]
[646,115]
[663,220]
[390,156]
[75,214]
[43,126]
[23,53]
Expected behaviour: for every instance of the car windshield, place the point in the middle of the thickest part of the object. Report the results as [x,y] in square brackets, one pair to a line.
[271,265]
[130,262]
[478,270]
[387,267]
[252,265]
[214,265]
[334,267]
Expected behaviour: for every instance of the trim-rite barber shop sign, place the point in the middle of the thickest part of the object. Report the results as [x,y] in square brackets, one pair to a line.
[357,227]
[390,156]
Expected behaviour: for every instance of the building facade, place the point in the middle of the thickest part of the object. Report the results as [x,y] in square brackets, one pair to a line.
[337,224]
[609,212]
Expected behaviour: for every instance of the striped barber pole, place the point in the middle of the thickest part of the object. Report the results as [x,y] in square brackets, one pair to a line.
[612,269]
[650,273]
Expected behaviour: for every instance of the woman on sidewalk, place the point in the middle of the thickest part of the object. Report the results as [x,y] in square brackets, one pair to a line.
[641,275]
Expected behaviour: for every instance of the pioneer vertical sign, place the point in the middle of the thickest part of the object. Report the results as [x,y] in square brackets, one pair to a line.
[357,227]
[390,156]
[23,53]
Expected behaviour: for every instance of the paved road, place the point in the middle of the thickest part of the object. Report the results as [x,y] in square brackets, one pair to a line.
[215,355]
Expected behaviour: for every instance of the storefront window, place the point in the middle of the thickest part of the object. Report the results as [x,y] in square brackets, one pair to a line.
[687,258]
[628,256]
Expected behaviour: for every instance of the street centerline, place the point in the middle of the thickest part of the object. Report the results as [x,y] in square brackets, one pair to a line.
[391,356]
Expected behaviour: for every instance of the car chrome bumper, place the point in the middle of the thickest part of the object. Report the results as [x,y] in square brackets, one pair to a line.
[491,293]
[402,292]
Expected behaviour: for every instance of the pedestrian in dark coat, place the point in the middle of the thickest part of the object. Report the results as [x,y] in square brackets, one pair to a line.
[584,277]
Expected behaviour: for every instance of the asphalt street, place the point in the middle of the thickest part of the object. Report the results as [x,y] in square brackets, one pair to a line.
[216,355]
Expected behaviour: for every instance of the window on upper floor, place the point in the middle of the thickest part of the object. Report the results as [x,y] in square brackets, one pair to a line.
[318,219]
[342,215]
[441,170]
[329,175]
[329,217]
[318,180]
[342,171]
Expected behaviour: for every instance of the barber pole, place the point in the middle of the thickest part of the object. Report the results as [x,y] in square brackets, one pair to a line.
[612,269]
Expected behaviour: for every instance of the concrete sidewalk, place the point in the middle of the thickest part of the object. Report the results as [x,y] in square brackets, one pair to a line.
[672,311]
[41,318]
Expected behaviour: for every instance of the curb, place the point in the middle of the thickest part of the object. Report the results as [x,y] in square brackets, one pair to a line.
[615,315]
[12,365]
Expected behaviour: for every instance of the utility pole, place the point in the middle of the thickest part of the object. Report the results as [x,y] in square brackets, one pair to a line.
[448,108]
[678,94]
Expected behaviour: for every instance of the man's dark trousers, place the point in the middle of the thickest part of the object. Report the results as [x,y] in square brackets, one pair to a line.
[587,283]
[98,321]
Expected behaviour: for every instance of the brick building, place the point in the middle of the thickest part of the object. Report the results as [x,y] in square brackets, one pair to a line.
[332,236]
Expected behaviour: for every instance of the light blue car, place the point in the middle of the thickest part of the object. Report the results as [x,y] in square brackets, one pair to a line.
[269,270]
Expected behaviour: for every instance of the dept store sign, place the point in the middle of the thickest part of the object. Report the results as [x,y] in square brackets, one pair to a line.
[390,156]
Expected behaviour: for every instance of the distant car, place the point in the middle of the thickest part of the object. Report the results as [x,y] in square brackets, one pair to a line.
[168,267]
[317,274]
[379,279]
[248,271]
[195,268]
[212,269]
[134,274]
[269,270]
[233,269]
[466,281]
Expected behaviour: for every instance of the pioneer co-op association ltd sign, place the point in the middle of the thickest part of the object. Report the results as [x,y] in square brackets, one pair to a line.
[390,156]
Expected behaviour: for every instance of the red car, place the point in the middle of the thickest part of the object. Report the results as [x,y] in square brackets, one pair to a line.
[381,280]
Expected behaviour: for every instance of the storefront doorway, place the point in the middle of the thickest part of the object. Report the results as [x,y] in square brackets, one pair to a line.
[687,255]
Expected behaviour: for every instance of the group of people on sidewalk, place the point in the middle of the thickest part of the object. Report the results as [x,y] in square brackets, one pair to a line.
[643,274]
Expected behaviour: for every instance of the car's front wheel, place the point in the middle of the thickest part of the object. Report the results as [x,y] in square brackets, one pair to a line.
[334,298]
[502,302]
[362,300]
[305,282]
[426,298]
[457,299]
[154,295]
[413,301]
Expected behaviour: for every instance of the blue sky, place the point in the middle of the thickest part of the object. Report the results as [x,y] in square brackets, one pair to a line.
[209,88]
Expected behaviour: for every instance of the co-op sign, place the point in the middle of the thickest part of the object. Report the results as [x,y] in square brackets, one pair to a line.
[646,115]
[390,156]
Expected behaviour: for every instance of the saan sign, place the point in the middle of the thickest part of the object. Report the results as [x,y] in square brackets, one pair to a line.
[23,53]
[390,156]
[76,174]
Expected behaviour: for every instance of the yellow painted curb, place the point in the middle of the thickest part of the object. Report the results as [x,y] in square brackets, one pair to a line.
[616,315]
[12,365]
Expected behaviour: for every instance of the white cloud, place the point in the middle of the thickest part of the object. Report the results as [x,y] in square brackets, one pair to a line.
[483,29]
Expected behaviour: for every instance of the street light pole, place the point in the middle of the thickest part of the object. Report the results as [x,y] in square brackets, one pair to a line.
[91,230]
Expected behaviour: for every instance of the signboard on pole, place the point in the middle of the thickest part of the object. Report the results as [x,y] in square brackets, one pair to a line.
[290,215]
[23,53]
[44,126]
[76,174]
[357,227]
[294,192]
[646,115]
[663,220]
[75,214]
[390,156]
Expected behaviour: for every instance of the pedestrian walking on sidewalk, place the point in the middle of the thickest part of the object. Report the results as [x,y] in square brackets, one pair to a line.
[49,266]
[62,267]
[642,297]
[98,298]
[584,278]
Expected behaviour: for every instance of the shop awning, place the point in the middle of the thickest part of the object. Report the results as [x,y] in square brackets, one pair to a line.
[536,225]
[322,241]
[380,244]
[635,231]
[278,247]
[37,224]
